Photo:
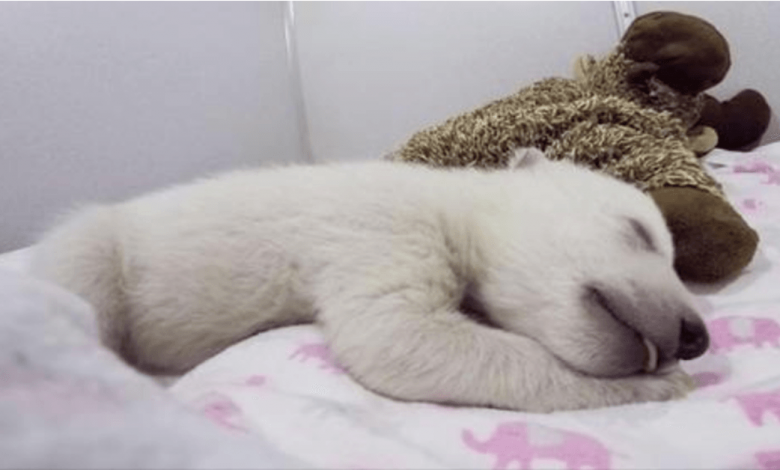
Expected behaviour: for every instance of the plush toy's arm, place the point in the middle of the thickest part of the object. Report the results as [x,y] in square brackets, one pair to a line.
[646,160]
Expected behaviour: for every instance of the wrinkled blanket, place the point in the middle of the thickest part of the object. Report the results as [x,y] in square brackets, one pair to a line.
[67,402]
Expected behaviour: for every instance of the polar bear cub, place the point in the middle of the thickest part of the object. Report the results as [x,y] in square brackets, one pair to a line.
[542,287]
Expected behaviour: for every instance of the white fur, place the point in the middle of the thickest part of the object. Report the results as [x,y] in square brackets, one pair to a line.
[383,255]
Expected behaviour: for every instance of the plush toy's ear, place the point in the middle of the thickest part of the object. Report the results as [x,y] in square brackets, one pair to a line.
[525,157]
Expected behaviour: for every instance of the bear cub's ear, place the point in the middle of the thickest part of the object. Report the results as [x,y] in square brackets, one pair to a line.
[525,157]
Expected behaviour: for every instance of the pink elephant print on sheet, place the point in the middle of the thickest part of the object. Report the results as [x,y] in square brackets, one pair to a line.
[729,332]
[773,175]
[757,405]
[255,381]
[222,410]
[523,443]
[707,379]
[768,460]
[752,205]
[321,353]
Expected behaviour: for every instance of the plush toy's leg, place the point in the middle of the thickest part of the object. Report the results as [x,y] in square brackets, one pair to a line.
[740,122]
[712,242]
[409,341]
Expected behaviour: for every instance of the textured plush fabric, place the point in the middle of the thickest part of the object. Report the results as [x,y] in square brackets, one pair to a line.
[611,119]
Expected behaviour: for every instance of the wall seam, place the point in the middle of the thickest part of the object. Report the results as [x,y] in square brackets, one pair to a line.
[625,12]
[296,83]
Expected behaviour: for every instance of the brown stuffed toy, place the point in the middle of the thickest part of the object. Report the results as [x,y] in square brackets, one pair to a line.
[629,115]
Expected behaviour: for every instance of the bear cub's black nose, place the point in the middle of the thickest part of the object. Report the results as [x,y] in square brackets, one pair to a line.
[694,340]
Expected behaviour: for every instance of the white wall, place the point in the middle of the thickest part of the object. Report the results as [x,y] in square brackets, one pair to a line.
[99,101]
[753,32]
[373,73]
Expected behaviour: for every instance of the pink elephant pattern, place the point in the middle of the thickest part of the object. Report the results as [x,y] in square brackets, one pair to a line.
[728,332]
[515,442]
[706,379]
[757,405]
[768,460]
[773,175]
[319,352]
[752,205]
[255,381]
[222,410]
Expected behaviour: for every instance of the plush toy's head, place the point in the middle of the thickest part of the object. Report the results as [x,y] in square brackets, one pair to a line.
[664,62]
[682,51]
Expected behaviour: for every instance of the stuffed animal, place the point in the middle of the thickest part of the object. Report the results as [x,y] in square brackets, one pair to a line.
[629,115]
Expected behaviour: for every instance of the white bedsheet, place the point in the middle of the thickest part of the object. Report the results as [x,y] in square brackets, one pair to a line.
[282,390]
